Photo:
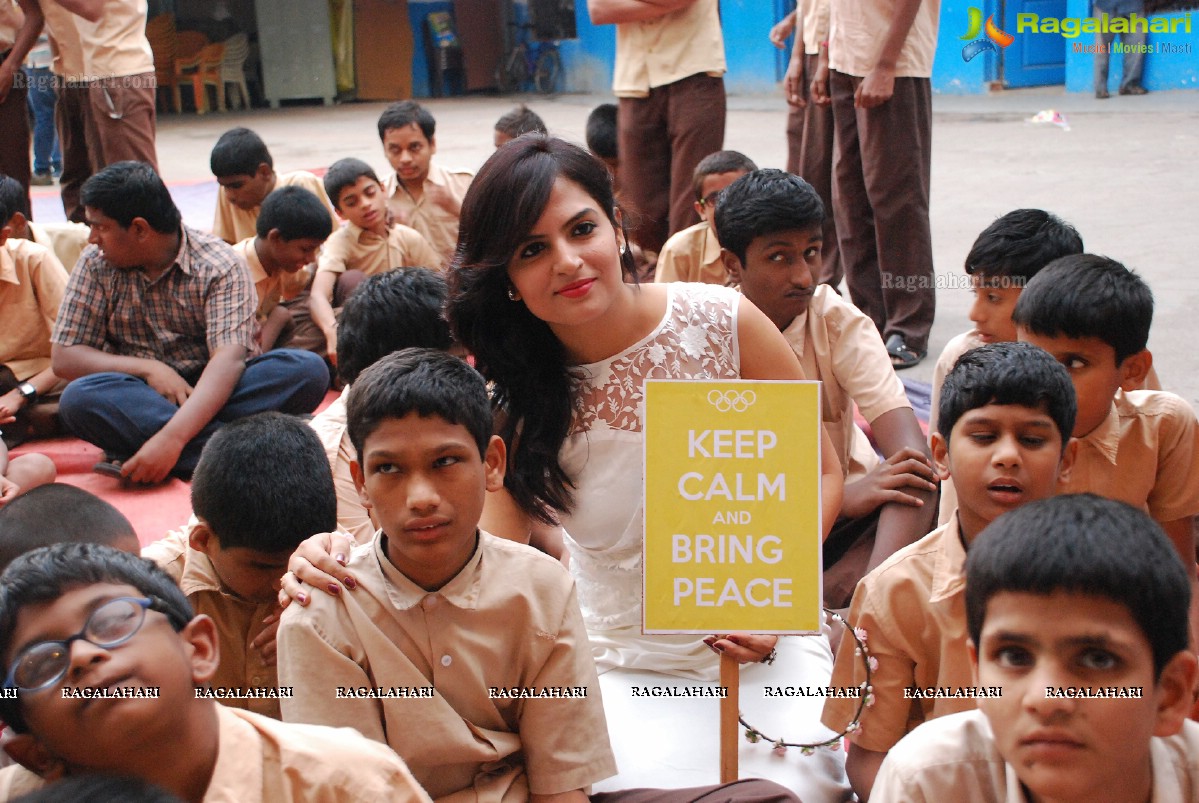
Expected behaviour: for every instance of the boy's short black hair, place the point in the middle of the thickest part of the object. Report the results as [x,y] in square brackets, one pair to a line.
[521,120]
[43,575]
[55,514]
[12,199]
[264,483]
[100,789]
[404,113]
[1017,245]
[345,173]
[601,131]
[765,202]
[1084,544]
[716,163]
[1008,373]
[127,190]
[1085,295]
[239,152]
[296,213]
[399,309]
[422,381]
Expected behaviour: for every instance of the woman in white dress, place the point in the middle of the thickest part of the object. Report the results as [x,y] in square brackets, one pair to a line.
[540,298]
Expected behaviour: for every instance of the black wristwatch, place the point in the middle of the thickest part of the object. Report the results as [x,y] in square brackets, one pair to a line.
[28,392]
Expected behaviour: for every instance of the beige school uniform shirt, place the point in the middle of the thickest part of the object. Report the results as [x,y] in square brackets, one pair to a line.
[692,255]
[271,289]
[1144,453]
[857,29]
[479,631]
[815,25]
[669,48]
[354,248]
[234,224]
[65,48]
[238,621]
[955,758]
[66,240]
[435,223]
[838,345]
[32,282]
[262,760]
[116,45]
[912,608]
[330,427]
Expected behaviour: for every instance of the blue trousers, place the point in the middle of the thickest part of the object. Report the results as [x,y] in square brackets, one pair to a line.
[46,155]
[120,412]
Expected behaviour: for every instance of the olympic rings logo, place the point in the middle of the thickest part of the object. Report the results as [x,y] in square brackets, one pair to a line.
[736,400]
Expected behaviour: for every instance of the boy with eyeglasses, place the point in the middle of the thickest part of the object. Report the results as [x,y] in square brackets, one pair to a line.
[693,254]
[97,644]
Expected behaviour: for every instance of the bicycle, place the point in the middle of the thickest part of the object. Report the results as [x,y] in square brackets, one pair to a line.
[527,61]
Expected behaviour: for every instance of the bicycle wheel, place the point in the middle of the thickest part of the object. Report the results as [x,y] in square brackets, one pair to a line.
[513,71]
[549,70]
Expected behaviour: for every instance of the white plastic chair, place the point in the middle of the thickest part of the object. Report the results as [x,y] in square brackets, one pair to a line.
[233,68]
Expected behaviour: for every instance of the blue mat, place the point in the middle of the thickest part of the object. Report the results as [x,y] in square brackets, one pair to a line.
[196,202]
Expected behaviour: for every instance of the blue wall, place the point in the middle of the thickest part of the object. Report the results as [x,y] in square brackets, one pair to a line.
[1162,70]
[755,66]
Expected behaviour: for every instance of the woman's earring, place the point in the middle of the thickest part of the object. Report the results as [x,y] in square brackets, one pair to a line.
[512,296]
[624,248]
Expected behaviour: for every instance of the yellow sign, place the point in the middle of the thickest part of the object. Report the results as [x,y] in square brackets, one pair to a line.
[732,507]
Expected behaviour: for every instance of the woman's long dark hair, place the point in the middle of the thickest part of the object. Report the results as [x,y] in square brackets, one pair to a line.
[515,350]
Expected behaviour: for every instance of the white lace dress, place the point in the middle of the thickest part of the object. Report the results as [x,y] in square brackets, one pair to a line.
[673,741]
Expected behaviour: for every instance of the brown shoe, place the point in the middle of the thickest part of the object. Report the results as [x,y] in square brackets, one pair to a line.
[1133,89]
[1102,94]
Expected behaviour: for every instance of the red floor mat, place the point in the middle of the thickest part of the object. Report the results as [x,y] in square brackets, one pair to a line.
[152,511]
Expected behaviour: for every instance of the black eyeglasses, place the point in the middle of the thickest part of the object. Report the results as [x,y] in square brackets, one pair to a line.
[42,665]
[710,199]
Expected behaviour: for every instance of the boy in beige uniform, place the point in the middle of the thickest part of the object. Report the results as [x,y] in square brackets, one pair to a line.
[1008,409]
[291,227]
[486,687]
[435,616]
[693,254]
[146,647]
[66,240]
[365,246]
[1138,446]
[1078,616]
[420,194]
[31,289]
[245,171]
[668,77]
[261,487]
[770,224]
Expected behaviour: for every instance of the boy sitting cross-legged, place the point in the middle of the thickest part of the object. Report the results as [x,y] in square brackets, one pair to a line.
[262,487]
[106,658]
[771,226]
[1077,609]
[1007,410]
[368,244]
[464,652]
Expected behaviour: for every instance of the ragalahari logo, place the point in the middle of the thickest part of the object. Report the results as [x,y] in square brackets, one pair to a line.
[994,36]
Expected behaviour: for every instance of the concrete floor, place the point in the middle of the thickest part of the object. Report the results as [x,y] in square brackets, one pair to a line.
[1126,174]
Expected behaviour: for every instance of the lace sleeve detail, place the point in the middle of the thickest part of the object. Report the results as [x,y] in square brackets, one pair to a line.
[697,339]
